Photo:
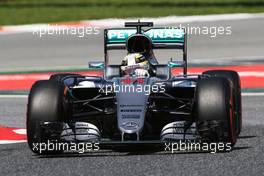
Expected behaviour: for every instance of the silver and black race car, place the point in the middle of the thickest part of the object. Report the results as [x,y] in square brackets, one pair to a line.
[116,109]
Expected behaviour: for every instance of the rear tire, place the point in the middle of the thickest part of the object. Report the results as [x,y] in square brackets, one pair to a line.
[235,80]
[214,110]
[44,105]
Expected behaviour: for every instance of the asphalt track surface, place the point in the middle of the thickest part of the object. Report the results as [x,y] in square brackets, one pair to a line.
[25,51]
[247,158]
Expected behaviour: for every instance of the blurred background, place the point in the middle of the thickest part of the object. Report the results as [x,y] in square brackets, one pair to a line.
[25,51]
[39,11]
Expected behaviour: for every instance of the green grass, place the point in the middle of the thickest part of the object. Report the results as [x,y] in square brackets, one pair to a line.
[42,11]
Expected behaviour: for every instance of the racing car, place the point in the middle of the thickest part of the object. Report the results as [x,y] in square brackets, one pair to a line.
[115,109]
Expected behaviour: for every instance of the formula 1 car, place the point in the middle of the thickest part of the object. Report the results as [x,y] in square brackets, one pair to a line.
[114,109]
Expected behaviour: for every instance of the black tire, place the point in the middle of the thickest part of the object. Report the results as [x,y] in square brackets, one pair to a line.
[214,110]
[59,76]
[44,104]
[235,79]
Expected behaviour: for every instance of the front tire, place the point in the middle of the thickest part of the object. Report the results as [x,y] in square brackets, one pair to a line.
[45,104]
[214,110]
[234,78]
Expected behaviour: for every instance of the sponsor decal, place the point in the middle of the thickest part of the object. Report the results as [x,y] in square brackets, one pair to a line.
[131,110]
[125,105]
[130,116]
[130,124]
[132,81]
[156,35]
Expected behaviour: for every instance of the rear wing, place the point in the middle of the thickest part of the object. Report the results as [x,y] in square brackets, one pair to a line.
[162,38]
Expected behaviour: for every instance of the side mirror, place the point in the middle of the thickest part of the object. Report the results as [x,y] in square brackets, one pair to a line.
[96,64]
[173,64]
